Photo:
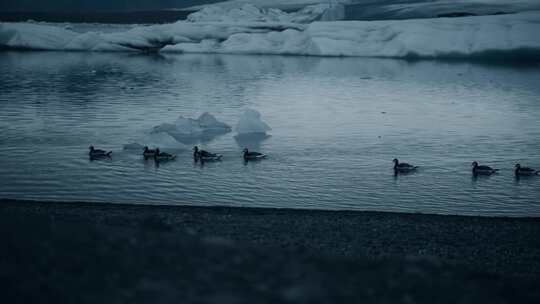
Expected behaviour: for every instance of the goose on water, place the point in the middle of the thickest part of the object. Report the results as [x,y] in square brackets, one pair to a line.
[252,155]
[482,170]
[97,153]
[403,167]
[149,152]
[525,171]
[205,155]
[163,155]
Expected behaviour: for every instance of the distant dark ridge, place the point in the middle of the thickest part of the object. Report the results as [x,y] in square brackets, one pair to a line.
[374,11]
[118,17]
[466,14]
[522,56]
[456,14]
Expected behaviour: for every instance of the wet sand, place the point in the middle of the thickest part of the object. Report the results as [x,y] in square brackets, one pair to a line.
[90,253]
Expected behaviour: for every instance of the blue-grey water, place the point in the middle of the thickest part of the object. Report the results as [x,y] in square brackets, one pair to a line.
[337,123]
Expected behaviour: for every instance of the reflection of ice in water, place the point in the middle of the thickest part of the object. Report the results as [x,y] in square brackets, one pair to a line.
[252,141]
[133,146]
[251,130]
[153,140]
[189,130]
[162,140]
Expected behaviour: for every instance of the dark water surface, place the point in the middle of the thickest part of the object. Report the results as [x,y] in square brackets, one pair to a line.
[337,124]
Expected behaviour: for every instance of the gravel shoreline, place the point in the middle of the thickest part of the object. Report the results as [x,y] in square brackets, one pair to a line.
[89,252]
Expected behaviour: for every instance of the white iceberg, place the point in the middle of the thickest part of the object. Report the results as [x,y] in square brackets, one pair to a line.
[208,122]
[31,36]
[511,35]
[250,122]
[189,130]
[187,127]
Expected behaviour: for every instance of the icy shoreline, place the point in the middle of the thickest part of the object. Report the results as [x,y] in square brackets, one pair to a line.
[470,37]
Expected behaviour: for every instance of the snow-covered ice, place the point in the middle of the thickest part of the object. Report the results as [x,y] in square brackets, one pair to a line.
[267,4]
[250,13]
[503,35]
[388,9]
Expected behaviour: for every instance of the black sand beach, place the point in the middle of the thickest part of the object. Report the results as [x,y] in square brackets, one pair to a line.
[92,253]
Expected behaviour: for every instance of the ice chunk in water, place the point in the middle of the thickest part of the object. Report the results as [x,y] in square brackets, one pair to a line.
[189,130]
[207,122]
[165,127]
[250,122]
[187,126]
[162,140]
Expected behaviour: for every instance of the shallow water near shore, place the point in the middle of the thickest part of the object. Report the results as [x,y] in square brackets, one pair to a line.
[337,123]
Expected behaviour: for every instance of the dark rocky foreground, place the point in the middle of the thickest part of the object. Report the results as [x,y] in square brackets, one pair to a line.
[104,253]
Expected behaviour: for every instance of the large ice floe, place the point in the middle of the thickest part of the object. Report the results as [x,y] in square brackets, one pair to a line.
[190,130]
[251,30]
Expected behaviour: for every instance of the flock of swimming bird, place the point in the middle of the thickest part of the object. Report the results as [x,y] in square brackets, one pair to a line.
[476,169]
[156,154]
[203,155]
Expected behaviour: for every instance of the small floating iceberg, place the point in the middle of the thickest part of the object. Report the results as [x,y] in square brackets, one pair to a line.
[251,129]
[189,130]
[250,122]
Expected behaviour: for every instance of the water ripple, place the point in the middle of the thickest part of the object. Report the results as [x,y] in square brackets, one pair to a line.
[337,125]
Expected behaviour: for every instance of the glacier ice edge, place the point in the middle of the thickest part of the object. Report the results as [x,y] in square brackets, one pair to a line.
[483,37]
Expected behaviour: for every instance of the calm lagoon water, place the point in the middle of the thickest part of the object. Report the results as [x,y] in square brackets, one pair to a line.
[337,123]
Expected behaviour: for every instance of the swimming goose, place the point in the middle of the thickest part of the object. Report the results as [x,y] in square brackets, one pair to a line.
[205,155]
[253,155]
[97,153]
[525,171]
[403,167]
[163,156]
[148,152]
[482,170]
